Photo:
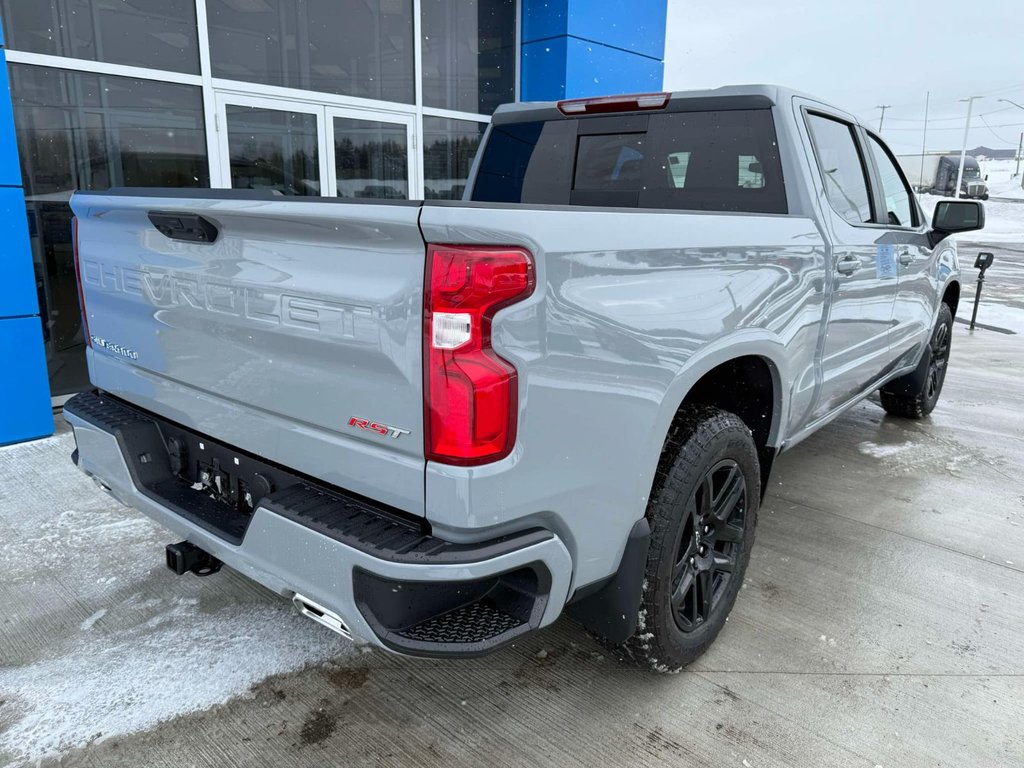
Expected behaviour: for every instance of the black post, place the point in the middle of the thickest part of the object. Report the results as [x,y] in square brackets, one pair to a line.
[983,262]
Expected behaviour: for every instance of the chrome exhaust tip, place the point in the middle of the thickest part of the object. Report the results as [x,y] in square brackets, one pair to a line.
[321,615]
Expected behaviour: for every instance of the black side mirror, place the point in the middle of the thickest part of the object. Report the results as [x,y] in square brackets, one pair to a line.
[954,216]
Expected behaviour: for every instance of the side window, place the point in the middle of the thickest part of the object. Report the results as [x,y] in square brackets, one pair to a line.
[842,170]
[899,211]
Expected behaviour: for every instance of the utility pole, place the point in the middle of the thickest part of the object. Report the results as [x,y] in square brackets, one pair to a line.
[881,119]
[1019,146]
[1020,149]
[924,137]
[963,149]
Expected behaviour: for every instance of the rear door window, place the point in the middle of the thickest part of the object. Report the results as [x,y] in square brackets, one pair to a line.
[701,161]
[842,168]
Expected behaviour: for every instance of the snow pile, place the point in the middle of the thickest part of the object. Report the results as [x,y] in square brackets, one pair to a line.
[181,661]
[1001,180]
[125,644]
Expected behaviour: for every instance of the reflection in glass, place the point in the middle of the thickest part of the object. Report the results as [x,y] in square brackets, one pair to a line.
[160,34]
[371,158]
[350,47]
[449,147]
[273,149]
[83,131]
[468,54]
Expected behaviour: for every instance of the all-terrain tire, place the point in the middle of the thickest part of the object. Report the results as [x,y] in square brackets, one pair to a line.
[707,448]
[914,398]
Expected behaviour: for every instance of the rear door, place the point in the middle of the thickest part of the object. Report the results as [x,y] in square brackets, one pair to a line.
[295,334]
[862,266]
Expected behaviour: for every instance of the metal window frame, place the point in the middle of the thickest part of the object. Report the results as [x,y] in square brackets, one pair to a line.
[214,89]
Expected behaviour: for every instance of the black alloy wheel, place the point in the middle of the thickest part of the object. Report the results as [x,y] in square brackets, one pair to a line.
[710,543]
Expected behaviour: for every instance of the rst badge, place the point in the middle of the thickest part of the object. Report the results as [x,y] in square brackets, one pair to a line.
[117,349]
[373,426]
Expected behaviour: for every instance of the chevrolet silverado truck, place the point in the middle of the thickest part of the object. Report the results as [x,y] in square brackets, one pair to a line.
[438,425]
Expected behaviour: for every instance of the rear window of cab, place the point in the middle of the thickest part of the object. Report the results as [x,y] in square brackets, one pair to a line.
[697,161]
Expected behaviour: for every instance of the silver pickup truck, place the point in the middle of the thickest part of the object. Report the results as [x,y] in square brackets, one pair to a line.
[438,425]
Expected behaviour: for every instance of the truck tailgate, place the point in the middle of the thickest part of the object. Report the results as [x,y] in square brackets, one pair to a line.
[295,334]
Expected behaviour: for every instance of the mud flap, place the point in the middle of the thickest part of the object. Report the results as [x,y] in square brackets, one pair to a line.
[611,611]
[912,384]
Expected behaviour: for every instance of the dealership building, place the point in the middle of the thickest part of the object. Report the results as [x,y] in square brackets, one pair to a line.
[348,98]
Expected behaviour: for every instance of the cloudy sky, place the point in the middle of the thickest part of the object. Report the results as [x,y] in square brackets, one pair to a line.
[863,53]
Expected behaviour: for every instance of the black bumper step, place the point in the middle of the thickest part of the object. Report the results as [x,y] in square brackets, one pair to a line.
[164,476]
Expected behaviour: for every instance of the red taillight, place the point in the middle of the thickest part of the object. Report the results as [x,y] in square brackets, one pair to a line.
[78,279]
[469,391]
[629,103]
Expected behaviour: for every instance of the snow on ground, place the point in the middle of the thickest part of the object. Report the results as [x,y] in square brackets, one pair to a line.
[1004,222]
[116,644]
[1001,179]
[990,312]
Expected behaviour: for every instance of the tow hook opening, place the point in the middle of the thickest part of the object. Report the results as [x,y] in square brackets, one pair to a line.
[185,557]
[321,615]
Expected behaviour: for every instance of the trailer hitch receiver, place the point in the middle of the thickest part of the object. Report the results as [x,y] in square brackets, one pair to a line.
[185,557]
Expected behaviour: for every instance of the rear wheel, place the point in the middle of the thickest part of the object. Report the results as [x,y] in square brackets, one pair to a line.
[702,514]
[915,396]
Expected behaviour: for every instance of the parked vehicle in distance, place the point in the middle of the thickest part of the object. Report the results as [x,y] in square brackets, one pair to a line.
[437,425]
[935,173]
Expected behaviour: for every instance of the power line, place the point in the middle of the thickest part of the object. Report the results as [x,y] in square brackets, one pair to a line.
[951,128]
[1005,141]
[1013,87]
[945,119]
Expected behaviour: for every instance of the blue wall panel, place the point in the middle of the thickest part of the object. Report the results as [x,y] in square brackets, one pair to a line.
[17,278]
[25,410]
[637,26]
[566,68]
[578,48]
[10,171]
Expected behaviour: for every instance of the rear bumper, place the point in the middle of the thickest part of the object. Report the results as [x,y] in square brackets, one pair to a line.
[387,580]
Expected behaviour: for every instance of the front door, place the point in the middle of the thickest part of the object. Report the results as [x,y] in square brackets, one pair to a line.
[306,149]
[916,297]
[862,269]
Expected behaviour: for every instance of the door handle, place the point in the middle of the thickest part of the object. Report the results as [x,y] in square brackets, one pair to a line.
[905,257]
[848,265]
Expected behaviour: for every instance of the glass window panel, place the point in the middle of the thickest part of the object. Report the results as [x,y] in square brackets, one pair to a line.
[611,161]
[449,147]
[83,131]
[371,158]
[846,184]
[706,161]
[160,34]
[349,47]
[273,149]
[468,54]
[899,211]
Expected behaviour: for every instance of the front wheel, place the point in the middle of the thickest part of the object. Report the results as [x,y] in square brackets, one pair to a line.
[702,514]
[915,395]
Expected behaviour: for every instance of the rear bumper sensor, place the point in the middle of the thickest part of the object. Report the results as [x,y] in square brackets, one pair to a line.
[352,564]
